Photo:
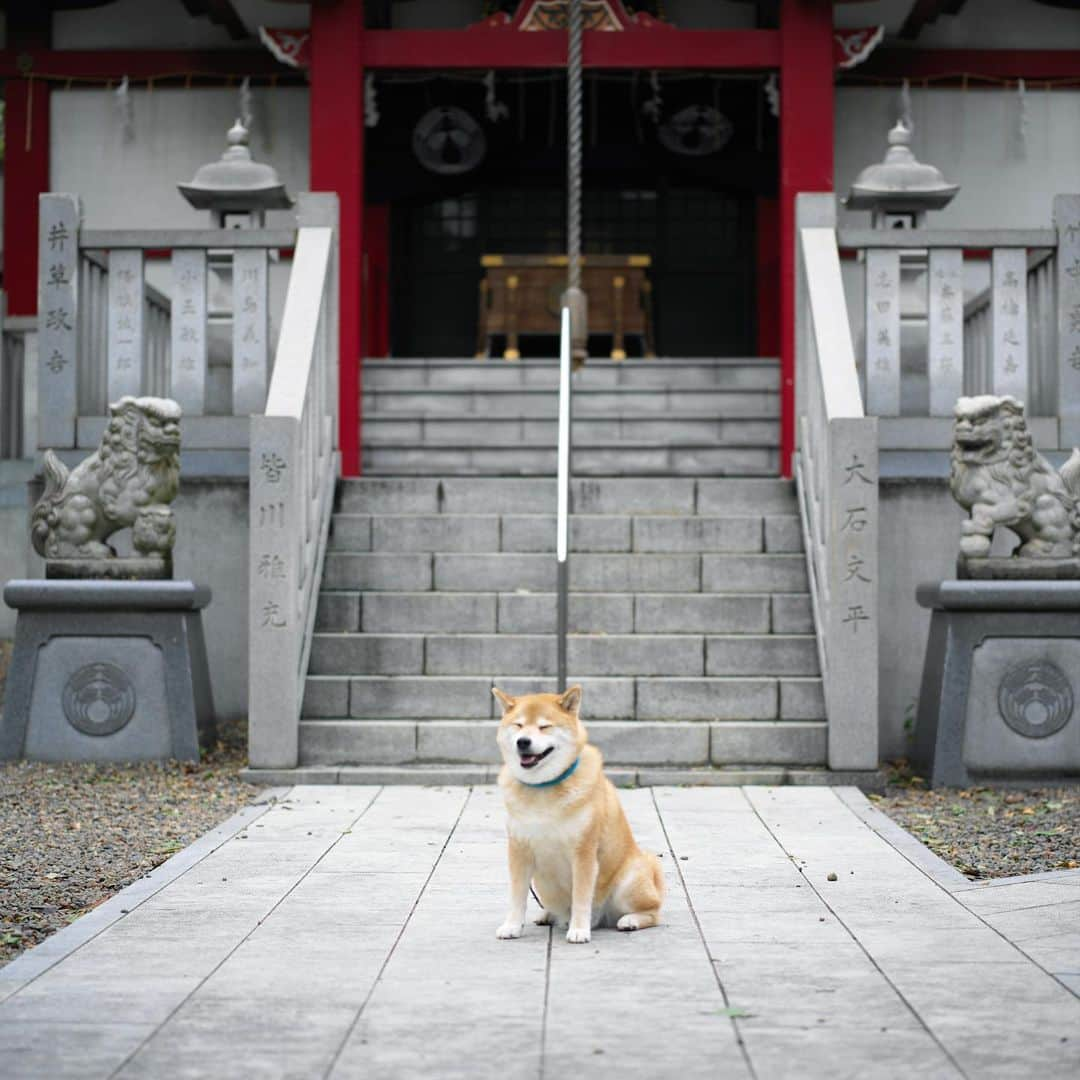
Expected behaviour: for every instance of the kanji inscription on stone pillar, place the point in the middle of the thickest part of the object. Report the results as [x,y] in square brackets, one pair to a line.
[945,336]
[125,323]
[58,285]
[1009,322]
[188,376]
[251,331]
[883,332]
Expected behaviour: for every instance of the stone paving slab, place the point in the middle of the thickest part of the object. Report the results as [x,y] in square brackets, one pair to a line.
[348,931]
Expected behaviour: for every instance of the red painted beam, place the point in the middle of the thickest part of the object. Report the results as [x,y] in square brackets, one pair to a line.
[806,164]
[139,64]
[337,164]
[26,175]
[478,49]
[976,63]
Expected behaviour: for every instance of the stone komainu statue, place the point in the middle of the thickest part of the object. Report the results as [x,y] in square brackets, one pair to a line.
[129,481]
[999,476]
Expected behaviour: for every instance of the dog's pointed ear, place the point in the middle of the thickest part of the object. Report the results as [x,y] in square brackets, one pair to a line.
[505,700]
[571,701]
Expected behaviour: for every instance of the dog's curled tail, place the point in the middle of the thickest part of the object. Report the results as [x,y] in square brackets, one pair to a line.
[43,519]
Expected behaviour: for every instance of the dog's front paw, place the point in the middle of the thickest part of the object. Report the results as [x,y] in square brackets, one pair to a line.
[578,935]
[510,930]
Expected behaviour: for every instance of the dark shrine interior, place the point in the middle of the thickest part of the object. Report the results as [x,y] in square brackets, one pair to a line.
[677,168]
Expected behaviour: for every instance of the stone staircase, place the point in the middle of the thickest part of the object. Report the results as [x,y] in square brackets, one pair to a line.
[691,625]
[634,418]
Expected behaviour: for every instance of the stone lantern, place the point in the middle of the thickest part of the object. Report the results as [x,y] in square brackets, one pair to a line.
[235,189]
[899,191]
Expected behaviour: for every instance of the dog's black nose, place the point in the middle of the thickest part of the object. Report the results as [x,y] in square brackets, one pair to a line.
[524,742]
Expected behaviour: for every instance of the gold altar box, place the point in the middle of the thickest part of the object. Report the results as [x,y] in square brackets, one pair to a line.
[522,294]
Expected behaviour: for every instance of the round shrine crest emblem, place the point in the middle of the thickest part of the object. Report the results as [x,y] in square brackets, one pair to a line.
[1035,698]
[99,699]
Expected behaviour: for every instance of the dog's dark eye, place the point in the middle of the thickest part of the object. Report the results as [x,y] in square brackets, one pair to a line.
[545,727]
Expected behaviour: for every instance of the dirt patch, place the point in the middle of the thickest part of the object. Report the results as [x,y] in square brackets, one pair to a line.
[72,835]
[989,832]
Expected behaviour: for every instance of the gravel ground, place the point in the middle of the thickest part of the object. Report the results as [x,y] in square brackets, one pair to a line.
[989,832]
[71,835]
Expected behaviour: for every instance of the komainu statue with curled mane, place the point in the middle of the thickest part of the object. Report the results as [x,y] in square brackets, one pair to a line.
[128,482]
[999,476]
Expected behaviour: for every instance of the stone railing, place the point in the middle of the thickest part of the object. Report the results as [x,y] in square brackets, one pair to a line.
[294,465]
[1041,300]
[105,331]
[837,477]
[1019,335]
[18,379]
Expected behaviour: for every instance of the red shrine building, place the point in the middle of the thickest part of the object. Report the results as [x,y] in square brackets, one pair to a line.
[440,124]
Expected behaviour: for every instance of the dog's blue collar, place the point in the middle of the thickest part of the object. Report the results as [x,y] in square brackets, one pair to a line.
[558,779]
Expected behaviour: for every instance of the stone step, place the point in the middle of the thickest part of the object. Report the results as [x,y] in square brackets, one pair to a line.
[405,742]
[720,374]
[539,403]
[509,572]
[442,775]
[588,654]
[609,495]
[615,460]
[393,431]
[426,697]
[535,533]
[535,613]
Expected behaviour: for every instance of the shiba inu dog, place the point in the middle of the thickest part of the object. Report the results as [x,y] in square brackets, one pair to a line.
[568,835]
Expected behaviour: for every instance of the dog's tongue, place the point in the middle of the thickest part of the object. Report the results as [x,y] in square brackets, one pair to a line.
[529,760]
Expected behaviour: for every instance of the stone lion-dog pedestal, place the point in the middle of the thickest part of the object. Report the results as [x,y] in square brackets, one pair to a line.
[1001,680]
[107,665]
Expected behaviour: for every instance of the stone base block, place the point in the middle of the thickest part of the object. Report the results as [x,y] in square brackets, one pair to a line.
[107,671]
[1000,693]
[1017,568]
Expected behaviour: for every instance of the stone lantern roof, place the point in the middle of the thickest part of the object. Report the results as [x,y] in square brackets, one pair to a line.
[235,183]
[900,184]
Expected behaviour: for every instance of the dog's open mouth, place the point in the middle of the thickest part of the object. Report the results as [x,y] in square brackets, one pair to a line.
[530,761]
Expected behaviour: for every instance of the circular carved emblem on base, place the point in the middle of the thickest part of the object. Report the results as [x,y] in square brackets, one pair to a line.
[99,699]
[1035,699]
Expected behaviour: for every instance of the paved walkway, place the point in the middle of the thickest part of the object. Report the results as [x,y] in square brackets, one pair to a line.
[350,932]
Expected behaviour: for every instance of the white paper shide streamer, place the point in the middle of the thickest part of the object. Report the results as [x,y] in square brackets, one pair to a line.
[906,117]
[1023,117]
[496,110]
[654,107]
[371,101]
[125,110]
[772,93]
[245,108]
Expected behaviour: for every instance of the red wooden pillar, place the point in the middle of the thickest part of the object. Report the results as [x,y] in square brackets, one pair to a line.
[26,175]
[806,164]
[337,164]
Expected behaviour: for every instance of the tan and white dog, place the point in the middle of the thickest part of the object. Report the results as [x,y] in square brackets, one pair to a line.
[568,835]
